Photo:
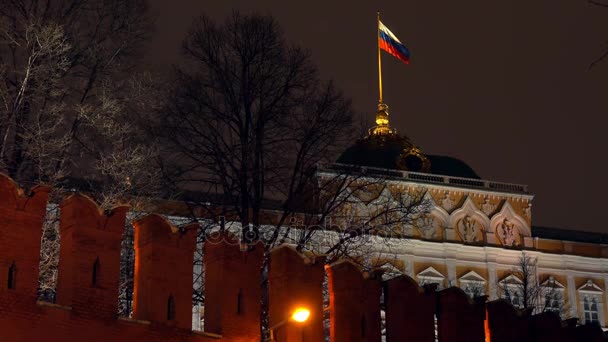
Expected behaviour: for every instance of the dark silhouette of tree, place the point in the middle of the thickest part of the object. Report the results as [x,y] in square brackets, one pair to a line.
[249,123]
[250,115]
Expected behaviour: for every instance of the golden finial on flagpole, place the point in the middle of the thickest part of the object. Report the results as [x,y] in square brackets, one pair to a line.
[382,124]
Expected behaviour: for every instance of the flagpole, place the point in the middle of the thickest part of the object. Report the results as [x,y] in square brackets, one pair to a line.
[379,62]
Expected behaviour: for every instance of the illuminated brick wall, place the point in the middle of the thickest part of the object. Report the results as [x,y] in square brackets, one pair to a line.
[87,288]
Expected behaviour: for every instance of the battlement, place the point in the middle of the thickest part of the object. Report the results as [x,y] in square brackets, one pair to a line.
[87,288]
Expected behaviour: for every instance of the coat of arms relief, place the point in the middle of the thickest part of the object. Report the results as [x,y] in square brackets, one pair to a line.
[469,229]
[508,233]
[428,227]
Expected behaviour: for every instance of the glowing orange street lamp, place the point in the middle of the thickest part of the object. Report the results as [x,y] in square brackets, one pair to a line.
[299,315]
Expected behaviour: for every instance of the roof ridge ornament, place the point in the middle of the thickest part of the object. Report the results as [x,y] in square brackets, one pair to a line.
[382,122]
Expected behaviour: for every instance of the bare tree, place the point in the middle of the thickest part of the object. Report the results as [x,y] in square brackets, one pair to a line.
[523,289]
[250,124]
[69,105]
[475,289]
[250,116]
[66,92]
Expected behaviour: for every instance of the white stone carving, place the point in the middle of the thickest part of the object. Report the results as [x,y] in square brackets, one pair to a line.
[427,226]
[432,224]
[473,284]
[431,276]
[528,211]
[468,229]
[487,207]
[508,233]
[469,222]
[510,228]
[447,202]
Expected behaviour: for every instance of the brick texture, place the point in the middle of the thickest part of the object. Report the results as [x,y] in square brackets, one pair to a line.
[89,265]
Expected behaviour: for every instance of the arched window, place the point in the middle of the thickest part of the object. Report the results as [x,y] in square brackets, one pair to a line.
[12,276]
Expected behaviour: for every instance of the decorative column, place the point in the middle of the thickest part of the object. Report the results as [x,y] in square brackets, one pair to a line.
[492,281]
[451,265]
[572,297]
[408,261]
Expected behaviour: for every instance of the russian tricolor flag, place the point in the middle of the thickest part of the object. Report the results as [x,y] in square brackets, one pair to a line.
[389,43]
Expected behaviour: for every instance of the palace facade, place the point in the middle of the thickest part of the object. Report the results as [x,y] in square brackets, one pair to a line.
[475,233]
[478,232]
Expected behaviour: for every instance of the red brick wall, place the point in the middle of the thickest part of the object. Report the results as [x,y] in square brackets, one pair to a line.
[295,280]
[163,272]
[21,216]
[89,267]
[459,318]
[233,297]
[88,308]
[409,310]
[354,303]
[89,257]
[508,323]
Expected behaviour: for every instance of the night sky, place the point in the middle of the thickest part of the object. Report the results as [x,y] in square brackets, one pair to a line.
[503,85]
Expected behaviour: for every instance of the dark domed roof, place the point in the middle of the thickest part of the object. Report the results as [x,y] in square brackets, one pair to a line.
[449,166]
[392,151]
[380,151]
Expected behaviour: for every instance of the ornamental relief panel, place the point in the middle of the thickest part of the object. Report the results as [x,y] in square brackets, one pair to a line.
[429,227]
[360,205]
[450,200]
[508,234]
[509,228]
[369,193]
[448,203]
[528,211]
[469,230]
[521,208]
[468,223]
[487,207]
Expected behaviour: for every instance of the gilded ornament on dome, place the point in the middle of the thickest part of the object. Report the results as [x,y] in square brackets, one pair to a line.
[412,159]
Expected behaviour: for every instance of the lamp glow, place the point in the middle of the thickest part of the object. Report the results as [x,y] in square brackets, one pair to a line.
[300,315]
